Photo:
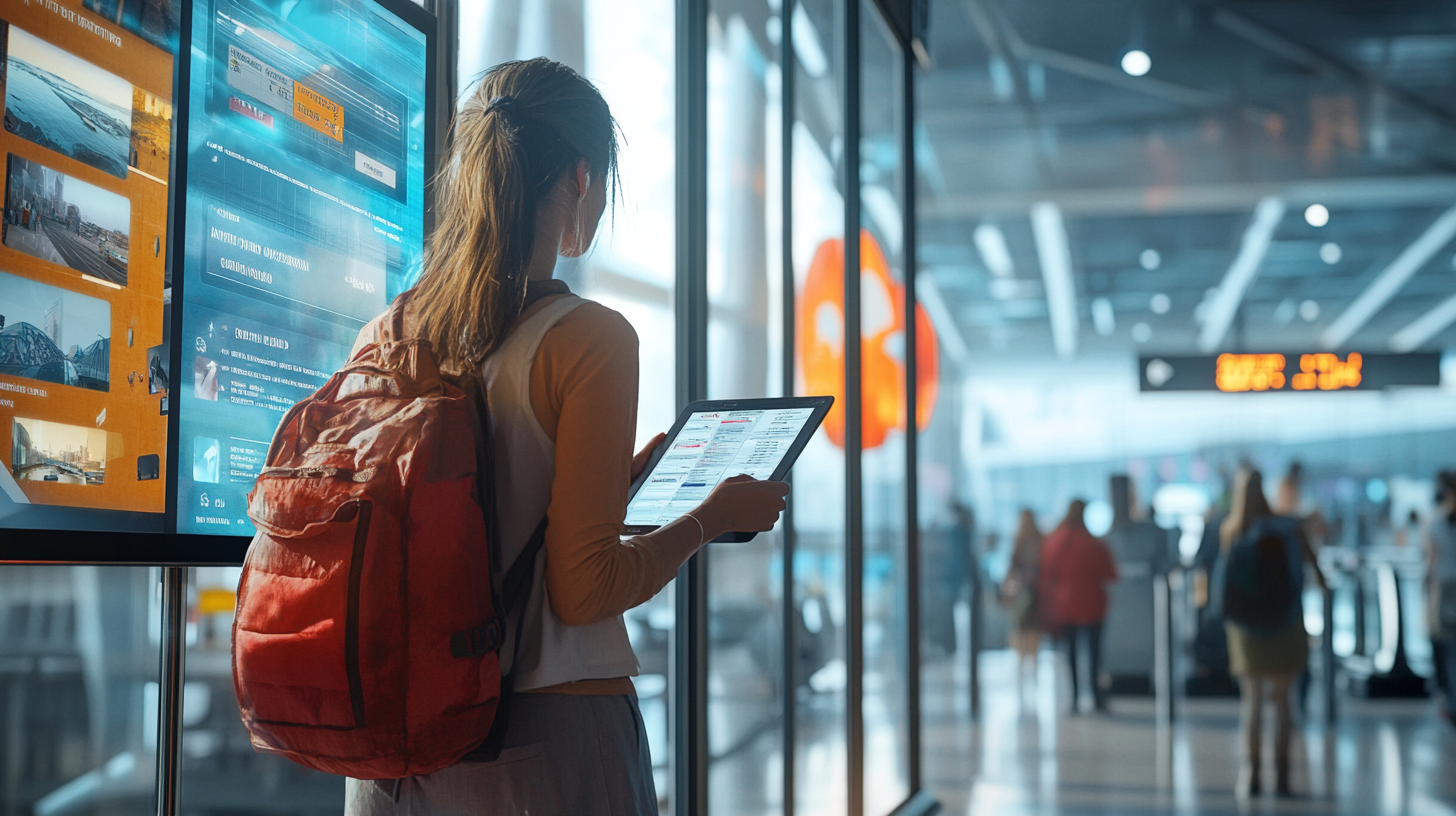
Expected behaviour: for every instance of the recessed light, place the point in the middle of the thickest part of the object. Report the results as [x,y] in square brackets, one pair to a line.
[1160,304]
[1309,310]
[1150,259]
[1316,215]
[1142,332]
[1136,62]
[1331,253]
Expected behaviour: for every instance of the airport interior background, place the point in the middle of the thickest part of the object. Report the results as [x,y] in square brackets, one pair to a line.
[1061,208]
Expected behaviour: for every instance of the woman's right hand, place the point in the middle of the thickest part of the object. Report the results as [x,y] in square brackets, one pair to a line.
[741,504]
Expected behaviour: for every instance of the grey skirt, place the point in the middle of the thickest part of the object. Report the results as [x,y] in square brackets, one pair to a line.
[564,755]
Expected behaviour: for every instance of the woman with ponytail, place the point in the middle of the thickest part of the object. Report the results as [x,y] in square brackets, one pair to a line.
[526,182]
[1440,547]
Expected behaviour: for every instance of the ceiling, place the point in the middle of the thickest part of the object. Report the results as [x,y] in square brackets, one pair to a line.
[1251,112]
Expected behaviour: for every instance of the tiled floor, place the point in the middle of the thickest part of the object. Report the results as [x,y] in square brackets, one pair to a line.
[1029,757]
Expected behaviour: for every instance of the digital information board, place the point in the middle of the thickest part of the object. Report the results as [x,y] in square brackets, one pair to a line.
[142,372]
[305,216]
[1312,372]
[85,152]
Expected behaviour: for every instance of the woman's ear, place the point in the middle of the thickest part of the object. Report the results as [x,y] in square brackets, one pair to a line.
[583,178]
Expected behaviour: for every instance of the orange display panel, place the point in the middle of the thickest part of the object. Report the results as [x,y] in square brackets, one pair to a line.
[820,343]
[85,152]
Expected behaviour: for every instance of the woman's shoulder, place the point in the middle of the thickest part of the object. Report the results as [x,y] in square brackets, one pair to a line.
[591,322]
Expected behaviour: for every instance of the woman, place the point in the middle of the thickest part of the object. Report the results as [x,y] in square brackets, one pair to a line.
[1261,660]
[1073,573]
[1440,547]
[1018,596]
[525,183]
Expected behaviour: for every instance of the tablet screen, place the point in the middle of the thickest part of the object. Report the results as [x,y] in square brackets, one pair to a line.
[713,446]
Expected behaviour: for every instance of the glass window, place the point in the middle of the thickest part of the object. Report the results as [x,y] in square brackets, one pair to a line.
[78,689]
[817,220]
[882,383]
[745,359]
[627,51]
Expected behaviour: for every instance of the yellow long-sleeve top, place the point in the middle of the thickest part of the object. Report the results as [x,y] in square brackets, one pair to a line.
[584,395]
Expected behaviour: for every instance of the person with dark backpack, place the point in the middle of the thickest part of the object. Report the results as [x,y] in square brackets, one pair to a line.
[1262,580]
[433,604]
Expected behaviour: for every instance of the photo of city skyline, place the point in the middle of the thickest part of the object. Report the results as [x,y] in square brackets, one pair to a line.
[66,104]
[43,451]
[65,221]
[54,335]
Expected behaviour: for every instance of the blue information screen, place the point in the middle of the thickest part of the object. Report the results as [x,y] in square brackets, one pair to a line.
[305,207]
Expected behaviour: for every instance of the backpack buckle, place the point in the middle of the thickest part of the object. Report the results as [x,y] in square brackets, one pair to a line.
[476,642]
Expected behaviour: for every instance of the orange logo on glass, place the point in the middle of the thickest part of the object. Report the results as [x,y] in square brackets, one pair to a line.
[318,111]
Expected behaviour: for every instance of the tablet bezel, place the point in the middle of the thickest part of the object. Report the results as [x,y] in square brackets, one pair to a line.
[821,406]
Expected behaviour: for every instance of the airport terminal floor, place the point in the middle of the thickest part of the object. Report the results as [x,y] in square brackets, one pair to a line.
[1139,320]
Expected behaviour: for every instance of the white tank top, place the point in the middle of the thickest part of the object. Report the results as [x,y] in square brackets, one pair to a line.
[525,464]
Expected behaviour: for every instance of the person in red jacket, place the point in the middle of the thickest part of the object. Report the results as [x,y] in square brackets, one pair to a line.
[1075,569]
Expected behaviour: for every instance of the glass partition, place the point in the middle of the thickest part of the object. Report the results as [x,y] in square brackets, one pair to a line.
[78,689]
[745,359]
[817,222]
[882,382]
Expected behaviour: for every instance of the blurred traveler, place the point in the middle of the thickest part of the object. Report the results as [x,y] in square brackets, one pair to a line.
[1018,596]
[1289,497]
[534,152]
[1263,580]
[1071,589]
[1440,546]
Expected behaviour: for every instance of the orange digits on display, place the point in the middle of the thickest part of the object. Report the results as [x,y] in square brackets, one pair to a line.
[820,318]
[1326,372]
[1250,372]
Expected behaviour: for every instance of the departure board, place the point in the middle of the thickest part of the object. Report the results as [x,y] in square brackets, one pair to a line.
[1294,372]
[305,217]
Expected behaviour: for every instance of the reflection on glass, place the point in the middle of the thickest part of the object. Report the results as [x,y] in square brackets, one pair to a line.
[220,769]
[817,219]
[627,51]
[745,351]
[886,580]
[78,689]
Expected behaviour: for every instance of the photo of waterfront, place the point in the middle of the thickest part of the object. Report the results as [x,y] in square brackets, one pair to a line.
[44,451]
[63,103]
[54,335]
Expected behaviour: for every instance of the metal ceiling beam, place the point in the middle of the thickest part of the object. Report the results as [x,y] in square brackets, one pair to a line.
[1241,273]
[1355,193]
[1425,327]
[1390,280]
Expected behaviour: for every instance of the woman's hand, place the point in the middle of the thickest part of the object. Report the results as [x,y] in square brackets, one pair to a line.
[640,460]
[741,504]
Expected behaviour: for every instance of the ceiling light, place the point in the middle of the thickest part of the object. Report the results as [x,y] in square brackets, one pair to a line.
[1285,311]
[1136,62]
[991,243]
[1055,255]
[1103,319]
[1160,304]
[1390,280]
[1142,332]
[1241,273]
[1150,259]
[1309,310]
[1316,215]
[1331,253]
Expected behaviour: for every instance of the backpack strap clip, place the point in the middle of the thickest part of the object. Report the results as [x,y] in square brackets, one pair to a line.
[476,642]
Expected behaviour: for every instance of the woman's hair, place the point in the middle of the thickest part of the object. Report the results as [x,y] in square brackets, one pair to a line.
[1446,492]
[1248,506]
[1074,518]
[1026,527]
[524,127]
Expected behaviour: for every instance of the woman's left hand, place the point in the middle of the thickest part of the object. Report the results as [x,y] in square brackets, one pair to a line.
[640,460]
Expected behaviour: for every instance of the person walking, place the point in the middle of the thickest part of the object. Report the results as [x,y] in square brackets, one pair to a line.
[1440,546]
[1018,597]
[1263,559]
[1073,573]
[525,182]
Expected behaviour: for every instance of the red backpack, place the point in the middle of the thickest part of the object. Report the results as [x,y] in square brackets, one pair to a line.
[367,631]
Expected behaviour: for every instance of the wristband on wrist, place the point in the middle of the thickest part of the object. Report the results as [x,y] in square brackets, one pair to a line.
[702,532]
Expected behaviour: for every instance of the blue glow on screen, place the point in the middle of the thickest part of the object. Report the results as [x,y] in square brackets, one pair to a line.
[305,193]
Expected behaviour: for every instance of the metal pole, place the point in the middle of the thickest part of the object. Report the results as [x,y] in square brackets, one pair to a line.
[169,720]
[853,410]
[913,570]
[788,68]
[1163,647]
[1327,657]
[974,638]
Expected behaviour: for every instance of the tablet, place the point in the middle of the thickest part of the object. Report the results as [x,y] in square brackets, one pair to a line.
[715,440]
